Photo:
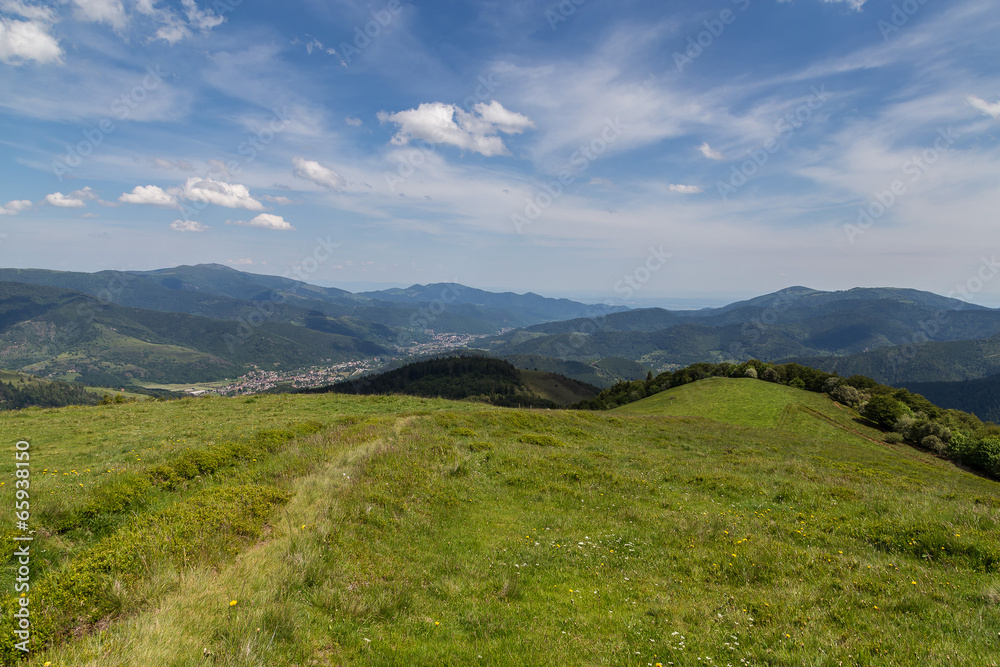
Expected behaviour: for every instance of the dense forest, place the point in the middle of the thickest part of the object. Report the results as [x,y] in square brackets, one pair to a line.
[471,377]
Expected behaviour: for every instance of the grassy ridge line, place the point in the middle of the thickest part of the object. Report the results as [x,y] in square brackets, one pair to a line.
[474,535]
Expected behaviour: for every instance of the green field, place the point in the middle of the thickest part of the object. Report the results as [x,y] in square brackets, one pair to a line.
[725,522]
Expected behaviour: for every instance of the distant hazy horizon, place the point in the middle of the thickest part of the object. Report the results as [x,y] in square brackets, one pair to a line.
[707,150]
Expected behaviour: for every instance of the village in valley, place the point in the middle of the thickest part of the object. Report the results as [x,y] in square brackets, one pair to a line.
[261,380]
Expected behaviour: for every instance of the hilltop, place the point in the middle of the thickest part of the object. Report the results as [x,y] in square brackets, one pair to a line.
[474,377]
[723,521]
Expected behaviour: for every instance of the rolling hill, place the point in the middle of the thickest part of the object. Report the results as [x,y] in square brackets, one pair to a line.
[722,522]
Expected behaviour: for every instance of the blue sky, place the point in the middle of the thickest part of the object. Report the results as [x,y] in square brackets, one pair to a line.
[645,152]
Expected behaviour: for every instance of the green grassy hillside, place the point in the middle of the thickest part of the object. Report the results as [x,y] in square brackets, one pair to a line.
[559,389]
[723,522]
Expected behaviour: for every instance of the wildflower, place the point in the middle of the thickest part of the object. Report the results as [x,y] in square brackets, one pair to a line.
[232,603]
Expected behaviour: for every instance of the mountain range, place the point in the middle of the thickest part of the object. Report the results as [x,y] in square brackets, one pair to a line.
[209,322]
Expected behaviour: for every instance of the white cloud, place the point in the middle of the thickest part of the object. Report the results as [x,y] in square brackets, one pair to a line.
[685,189]
[856,5]
[243,261]
[180,165]
[14,207]
[316,45]
[282,201]
[440,123]
[319,174]
[84,194]
[111,12]
[264,221]
[149,194]
[187,226]
[30,12]
[64,201]
[220,193]
[710,152]
[984,106]
[201,19]
[21,41]
[171,27]
[353,122]
[503,119]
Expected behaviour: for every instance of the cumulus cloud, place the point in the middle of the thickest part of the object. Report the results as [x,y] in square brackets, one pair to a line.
[149,194]
[220,193]
[319,174]
[685,189]
[353,122]
[187,226]
[14,207]
[984,106]
[282,201]
[264,221]
[21,41]
[710,153]
[476,131]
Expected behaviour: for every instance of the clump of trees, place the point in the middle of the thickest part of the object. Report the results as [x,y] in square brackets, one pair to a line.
[47,394]
[905,416]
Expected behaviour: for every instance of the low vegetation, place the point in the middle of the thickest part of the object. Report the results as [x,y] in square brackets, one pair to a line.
[728,521]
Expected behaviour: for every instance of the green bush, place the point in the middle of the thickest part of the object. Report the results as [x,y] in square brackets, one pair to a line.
[883,410]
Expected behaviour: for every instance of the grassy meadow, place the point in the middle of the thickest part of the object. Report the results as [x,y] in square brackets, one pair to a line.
[724,522]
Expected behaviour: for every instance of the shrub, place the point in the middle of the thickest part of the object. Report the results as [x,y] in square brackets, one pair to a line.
[848,395]
[893,438]
[883,410]
[934,443]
